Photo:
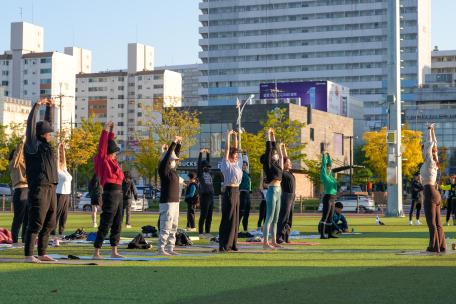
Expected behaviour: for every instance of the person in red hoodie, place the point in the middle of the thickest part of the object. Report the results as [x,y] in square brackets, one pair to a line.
[111,176]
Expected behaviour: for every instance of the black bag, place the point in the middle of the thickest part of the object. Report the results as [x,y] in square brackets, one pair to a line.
[182,238]
[150,230]
[245,235]
[139,243]
[79,234]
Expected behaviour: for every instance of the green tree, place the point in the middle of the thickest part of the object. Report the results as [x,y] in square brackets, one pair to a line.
[163,125]
[287,131]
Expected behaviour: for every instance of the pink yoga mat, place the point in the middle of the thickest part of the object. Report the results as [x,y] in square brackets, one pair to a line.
[285,244]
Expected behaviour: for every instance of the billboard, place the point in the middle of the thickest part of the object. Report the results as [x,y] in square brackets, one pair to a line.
[325,96]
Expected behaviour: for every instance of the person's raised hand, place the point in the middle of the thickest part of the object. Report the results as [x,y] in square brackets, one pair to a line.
[50,101]
[42,101]
[178,139]
[164,147]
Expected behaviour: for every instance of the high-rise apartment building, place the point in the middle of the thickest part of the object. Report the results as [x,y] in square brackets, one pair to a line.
[248,42]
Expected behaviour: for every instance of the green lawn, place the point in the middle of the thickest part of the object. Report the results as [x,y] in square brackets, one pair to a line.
[371,273]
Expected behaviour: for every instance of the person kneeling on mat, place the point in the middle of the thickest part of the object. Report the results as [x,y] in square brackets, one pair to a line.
[111,176]
[340,224]
[169,198]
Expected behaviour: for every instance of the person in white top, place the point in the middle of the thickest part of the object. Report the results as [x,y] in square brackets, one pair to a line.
[63,190]
[432,197]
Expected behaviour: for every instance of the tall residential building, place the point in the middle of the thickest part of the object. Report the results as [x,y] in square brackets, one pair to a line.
[128,97]
[443,67]
[248,42]
[28,72]
[190,82]
[13,111]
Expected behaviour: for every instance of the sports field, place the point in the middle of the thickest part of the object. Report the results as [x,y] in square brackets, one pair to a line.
[362,268]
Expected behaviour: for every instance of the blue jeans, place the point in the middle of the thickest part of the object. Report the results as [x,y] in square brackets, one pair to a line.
[272,212]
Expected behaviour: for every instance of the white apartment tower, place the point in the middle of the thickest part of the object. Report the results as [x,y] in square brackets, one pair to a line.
[28,72]
[128,97]
[248,42]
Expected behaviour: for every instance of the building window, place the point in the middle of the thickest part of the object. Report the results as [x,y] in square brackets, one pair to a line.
[5,73]
[4,83]
[158,86]
[45,60]
[120,124]
[120,106]
[338,143]
[120,97]
[45,71]
[120,79]
[120,88]
[45,81]
[25,82]
[312,134]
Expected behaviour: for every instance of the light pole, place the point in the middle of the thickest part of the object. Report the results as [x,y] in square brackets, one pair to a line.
[240,106]
[394,135]
[351,160]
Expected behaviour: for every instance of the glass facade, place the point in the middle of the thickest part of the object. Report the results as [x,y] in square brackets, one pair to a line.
[212,137]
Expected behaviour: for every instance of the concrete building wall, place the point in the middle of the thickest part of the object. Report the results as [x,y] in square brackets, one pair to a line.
[82,58]
[13,111]
[190,82]
[140,57]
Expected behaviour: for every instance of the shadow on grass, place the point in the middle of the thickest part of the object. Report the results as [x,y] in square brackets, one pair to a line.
[157,284]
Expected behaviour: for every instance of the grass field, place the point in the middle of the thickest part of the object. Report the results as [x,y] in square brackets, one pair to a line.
[352,269]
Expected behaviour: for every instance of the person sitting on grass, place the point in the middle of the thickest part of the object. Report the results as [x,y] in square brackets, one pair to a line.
[339,224]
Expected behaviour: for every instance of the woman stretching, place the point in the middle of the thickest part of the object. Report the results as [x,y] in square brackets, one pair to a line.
[232,176]
[63,192]
[273,168]
[111,176]
[431,195]
[287,201]
[330,191]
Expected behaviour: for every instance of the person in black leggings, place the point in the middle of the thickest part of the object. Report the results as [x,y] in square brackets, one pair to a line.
[262,211]
[417,199]
[451,202]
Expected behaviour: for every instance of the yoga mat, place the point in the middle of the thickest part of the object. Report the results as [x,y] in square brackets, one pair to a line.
[425,253]
[61,262]
[284,244]
[108,258]
[156,254]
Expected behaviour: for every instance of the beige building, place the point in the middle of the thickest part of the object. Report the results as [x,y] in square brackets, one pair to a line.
[127,97]
[13,111]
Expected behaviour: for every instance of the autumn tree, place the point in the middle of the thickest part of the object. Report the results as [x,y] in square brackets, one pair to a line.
[162,125]
[376,152]
[81,145]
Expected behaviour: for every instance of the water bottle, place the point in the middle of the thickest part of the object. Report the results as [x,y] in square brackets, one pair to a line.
[377,220]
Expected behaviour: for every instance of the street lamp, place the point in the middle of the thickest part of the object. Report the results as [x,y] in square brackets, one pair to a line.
[240,106]
[351,159]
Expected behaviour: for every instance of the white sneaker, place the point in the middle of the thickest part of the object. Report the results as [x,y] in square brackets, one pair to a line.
[418,222]
[128,226]
[95,225]
[202,236]
[447,223]
[411,223]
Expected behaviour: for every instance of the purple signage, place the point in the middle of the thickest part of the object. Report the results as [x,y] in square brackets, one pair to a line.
[312,93]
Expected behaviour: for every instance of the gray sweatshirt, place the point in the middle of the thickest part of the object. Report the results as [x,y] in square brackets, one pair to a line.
[429,168]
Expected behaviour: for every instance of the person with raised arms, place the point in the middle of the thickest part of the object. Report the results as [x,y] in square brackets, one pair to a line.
[231,168]
[111,176]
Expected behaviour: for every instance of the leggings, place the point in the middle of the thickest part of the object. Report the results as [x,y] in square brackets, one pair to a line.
[432,212]
[111,216]
[416,203]
[328,209]
[190,215]
[451,208]
[273,198]
[20,218]
[262,213]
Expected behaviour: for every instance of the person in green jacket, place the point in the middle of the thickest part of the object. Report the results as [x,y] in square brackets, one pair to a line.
[329,198]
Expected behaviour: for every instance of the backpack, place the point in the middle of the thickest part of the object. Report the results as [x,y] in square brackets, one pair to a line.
[194,200]
[79,234]
[182,238]
[150,230]
[139,243]
[5,236]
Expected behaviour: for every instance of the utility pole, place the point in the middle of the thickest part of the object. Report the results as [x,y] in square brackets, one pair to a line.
[60,98]
[394,134]
[351,162]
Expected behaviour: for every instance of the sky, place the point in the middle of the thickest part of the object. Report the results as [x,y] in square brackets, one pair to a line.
[171,26]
